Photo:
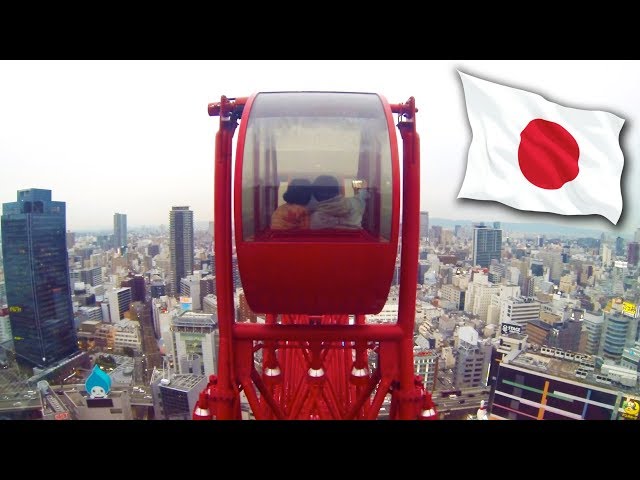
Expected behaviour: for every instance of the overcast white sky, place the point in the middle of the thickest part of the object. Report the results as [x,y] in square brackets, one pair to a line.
[134,136]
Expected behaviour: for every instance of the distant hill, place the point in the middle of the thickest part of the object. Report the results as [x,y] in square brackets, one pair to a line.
[533,228]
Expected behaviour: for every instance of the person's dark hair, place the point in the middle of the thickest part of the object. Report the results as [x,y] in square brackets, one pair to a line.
[325,187]
[298,192]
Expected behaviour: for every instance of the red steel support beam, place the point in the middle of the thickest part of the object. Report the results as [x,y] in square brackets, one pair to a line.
[256,331]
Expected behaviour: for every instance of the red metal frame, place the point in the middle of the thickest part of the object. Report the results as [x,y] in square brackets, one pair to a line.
[315,366]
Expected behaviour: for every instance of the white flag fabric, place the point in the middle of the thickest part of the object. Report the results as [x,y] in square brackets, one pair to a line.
[532,154]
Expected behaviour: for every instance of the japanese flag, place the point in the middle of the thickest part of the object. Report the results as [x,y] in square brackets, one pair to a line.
[532,154]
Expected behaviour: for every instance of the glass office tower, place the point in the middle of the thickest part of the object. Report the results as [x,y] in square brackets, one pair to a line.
[120,231]
[37,278]
[180,245]
[487,245]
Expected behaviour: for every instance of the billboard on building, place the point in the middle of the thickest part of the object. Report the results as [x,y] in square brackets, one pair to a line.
[629,309]
[507,328]
[186,303]
[629,409]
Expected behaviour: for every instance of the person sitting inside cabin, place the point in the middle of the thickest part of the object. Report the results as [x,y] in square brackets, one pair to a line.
[334,210]
[293,213]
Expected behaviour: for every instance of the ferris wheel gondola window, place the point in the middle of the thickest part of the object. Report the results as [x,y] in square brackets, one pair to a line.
[298,136]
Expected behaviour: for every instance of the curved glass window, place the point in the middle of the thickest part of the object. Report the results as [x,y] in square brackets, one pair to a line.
[316,162]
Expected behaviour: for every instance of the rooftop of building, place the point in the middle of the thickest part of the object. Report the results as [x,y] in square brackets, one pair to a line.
[123,373]
[424,351]
[540,324]
[194,319]
[183,381]
[566,370]
[51,404]
[521,300]
[39,374]
[514,336]
[91,322]
[126,325]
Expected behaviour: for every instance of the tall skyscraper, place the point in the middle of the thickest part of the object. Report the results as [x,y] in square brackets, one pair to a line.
[619,246]
[487,245]
[37,278]
[180,245]
[437,234]
[119,230]
[71,239]
[424,224]
[633,253]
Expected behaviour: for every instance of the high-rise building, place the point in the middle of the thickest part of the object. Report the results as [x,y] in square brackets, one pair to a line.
[631,357]
[210,305]
[424,224]
[5,325]
[235,272]
[636,235]
[119,230]
[619,246]
[137,285]
[207,286]
[519,310]
[566,336]
[605,252]
[538,332]
[91,276]
[537,268]
[158,287]
[453,294]
[633,253]
[425,363]
[592,324]
[619,331]
[175,395]
[3,293]
[487,245]
[119,302]
[478,295]
[473,359]
[195,343]
[423,268]
[36,270]
[436,231]
[180,245]
[190,288]
[71,239]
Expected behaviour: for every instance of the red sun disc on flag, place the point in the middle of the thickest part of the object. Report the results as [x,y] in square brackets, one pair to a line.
[548,154]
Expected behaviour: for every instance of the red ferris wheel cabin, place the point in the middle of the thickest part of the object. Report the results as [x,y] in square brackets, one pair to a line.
[320,267]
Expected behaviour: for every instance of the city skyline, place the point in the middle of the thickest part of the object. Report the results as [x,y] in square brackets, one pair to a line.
[134,136]
[493,319]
